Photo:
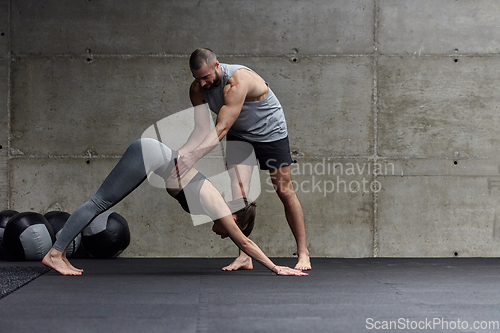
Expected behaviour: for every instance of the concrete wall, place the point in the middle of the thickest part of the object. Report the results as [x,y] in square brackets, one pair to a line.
[392,108]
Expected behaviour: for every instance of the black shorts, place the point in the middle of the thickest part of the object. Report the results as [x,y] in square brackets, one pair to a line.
[271,155]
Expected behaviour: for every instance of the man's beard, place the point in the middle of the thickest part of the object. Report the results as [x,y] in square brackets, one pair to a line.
[214,83]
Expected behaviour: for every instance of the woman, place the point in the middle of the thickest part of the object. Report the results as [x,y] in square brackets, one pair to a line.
[145,158]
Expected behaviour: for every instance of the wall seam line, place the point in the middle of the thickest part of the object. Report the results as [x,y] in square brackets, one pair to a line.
[9,105]
[376,55]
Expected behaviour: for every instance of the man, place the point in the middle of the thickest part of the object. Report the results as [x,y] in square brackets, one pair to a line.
[247,111]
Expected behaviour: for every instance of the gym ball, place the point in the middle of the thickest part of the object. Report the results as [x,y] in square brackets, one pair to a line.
[106,236]
[28,236]
[57,220]
[4,218]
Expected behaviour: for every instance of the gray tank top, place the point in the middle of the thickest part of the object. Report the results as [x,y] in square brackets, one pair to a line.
[262,121]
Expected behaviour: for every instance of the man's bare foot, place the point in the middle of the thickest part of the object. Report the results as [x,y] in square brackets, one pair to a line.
[304,263]
[54,259]
[242,262]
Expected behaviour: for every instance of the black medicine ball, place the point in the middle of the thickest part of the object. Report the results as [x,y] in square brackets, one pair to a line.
[57,220]
[28,236]
[4,218]
[106,236]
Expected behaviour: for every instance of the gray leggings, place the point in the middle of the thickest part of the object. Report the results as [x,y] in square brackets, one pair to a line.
[142,158]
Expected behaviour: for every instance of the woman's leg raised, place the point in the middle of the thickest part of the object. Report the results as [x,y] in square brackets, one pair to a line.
[125,177]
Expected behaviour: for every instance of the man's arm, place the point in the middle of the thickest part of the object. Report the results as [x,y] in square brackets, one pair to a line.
[235,93]
[201,119]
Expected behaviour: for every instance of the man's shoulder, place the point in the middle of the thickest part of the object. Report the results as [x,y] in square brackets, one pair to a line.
[195,87]
[241,75]
[227,64]
[239,71]
[196,93]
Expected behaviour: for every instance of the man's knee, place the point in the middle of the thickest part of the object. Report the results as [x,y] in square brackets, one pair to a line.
[285,191]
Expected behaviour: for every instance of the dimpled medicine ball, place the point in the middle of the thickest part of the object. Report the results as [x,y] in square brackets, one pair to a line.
[4,218]
[106,236]
[57,220]
[28,236]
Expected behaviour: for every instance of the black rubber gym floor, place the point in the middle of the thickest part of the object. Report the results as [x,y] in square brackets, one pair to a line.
[194,295]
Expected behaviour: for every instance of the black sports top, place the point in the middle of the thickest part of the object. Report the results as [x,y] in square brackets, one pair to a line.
[189,196]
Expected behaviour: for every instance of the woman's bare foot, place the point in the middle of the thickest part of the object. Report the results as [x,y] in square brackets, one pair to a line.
[55,260]
[304,262]
[283,270]
[242,262]
[65,259]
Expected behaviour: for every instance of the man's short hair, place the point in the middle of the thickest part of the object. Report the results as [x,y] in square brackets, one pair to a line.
[200,57]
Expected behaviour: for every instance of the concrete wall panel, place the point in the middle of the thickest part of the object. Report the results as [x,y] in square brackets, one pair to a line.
[442,167]
[337,198]
[327,101]
[91,104]
[438,27]
[4,28]
[437,216]
[179,27]
[438,107]
[4,135]
[340,191]
[68,106]
[157,223]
